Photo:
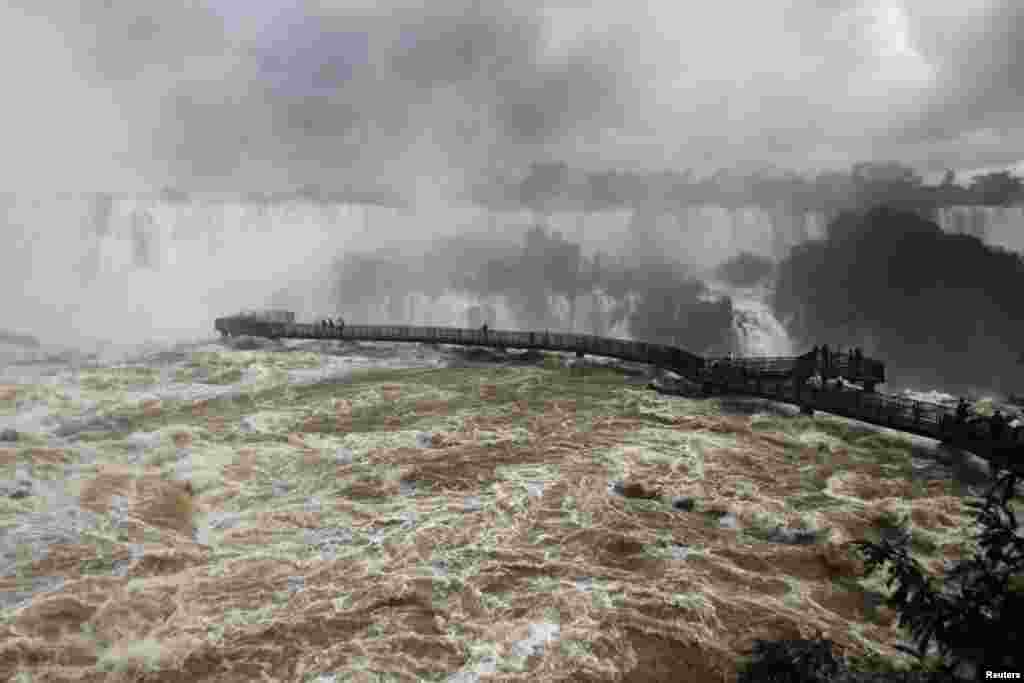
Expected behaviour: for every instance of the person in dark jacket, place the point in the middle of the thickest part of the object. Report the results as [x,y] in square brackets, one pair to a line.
[340,323]
[961,411]
[825,359]
[997,425]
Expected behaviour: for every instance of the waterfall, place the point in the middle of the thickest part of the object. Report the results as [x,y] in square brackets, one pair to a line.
[149,268]
[146,267]
[82,269]
[758,331]
[697,235]
[1001,226]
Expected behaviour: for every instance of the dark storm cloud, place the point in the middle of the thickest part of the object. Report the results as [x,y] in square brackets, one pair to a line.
[980,62]
[307,94]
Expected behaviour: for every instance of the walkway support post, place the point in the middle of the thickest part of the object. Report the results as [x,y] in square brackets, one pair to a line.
[800,394]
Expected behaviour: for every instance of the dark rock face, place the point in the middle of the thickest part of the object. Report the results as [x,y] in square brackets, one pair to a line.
[9,435]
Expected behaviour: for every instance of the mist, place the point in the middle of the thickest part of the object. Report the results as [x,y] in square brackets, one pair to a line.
[169,162]
[942,309]
[547,282]
[227,96]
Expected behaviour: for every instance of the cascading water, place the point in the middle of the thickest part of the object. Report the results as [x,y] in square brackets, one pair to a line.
[756,329]
[99,266]
[699,235]
[1001,226]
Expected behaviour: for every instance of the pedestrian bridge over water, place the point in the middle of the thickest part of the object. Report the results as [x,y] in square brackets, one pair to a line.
[787,379]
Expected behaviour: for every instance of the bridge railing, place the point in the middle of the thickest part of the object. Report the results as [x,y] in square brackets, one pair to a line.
[842,364]
[897,411]
[666,356]
[781,365]
[894,410]
[670,357]
[806,364]
[766,375]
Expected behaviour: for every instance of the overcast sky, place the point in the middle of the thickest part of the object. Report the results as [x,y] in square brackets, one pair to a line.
[125,95]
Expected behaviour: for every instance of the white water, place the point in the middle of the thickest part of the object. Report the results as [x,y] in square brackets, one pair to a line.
[757,331]
[994,225]
[84,268]
[701,236]
[88,268]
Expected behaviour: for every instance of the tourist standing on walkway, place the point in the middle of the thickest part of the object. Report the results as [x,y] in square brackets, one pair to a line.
[961,411]
[997,423]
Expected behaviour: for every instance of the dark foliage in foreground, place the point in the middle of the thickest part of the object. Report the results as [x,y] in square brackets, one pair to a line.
[814,661]
[973,619]
[793,661]
[971,622]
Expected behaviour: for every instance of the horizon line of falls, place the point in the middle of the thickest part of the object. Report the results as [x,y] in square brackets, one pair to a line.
[999,226]
[96,267]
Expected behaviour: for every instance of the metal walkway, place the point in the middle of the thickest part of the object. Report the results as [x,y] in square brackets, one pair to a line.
[785,379]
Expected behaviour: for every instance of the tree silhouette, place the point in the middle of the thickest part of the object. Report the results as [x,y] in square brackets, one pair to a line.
[973,616]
